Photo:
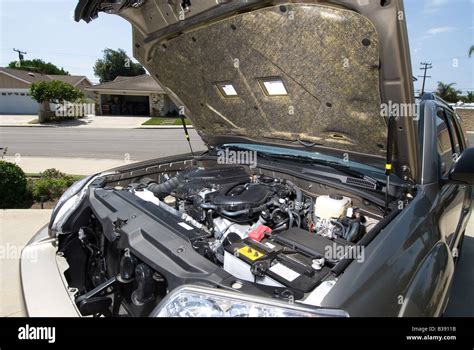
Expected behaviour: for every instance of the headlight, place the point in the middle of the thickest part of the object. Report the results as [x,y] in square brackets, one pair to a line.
[68,202]
[194,301]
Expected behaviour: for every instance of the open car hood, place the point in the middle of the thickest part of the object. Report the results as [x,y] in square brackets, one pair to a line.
[337,60]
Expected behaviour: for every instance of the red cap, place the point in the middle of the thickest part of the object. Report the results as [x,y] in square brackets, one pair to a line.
[258,233]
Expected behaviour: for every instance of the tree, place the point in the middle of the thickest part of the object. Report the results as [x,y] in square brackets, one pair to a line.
[39,66]
[469,98]
[54,91]
[447,92]
[471,50]
[116,63]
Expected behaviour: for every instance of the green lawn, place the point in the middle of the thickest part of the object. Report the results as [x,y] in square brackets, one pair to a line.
[165,121]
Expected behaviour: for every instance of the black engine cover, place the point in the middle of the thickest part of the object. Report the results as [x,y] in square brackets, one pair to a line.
[192,181]
[251,196]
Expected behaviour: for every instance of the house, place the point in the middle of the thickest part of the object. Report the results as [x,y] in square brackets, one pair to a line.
[15,85]
[139,95]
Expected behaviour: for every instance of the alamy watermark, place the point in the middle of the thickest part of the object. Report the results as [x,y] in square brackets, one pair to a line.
[399,110]
[337,252]
[69,109]
[237,157]
[37,333]
[14,252]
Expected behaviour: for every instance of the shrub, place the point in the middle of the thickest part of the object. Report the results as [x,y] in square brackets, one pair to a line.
[54,91]
[51,185]
[13,186]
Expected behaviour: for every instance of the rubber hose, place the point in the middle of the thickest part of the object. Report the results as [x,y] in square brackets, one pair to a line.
[165,188]
[299,196]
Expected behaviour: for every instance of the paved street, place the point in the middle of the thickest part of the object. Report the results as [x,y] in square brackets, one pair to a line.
[138,144]
[134,144]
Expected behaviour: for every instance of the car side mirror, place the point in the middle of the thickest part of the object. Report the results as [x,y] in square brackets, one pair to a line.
[462,170]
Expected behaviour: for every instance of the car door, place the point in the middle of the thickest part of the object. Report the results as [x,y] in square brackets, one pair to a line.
[462,141]
[453,197]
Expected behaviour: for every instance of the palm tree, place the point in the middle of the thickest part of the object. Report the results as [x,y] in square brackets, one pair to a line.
[469,98]
[471,50]
[447,92]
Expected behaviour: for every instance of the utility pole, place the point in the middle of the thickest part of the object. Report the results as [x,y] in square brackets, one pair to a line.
[425,67]
[20,56]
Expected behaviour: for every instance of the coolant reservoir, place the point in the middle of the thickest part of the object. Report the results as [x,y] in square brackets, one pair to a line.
[331,207]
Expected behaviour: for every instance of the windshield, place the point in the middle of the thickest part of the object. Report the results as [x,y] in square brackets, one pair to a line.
[300,153]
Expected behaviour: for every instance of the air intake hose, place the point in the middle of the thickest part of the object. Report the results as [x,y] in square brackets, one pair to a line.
[165,188]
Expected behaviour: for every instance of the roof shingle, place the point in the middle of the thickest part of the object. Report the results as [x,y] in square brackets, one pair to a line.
[32,77]
[138,83]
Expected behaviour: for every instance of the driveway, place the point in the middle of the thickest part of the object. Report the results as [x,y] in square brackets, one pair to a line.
[99,122]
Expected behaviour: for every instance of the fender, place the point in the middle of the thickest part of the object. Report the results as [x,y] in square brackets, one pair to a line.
[428,291]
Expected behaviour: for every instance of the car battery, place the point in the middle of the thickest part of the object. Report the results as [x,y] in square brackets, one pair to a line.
[273,264]
[313,245]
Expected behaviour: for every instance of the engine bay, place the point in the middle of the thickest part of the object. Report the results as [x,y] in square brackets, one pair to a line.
[230,227]
[234,206]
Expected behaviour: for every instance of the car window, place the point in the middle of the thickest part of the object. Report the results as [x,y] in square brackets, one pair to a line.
[445,144]
[454,133]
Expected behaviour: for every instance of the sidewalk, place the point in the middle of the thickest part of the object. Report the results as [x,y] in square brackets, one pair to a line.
[94,122]
[16,120]
[72,166]
[108,122]
[16,229]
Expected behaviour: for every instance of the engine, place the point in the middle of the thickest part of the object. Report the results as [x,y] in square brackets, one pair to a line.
[250,216]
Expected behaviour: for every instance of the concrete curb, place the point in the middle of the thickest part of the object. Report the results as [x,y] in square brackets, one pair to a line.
[91,127]
[28,126]
[163,127]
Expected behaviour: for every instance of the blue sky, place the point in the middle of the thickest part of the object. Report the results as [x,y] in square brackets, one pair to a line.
[441,31]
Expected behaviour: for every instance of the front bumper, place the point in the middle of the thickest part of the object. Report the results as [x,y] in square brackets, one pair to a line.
[45,290]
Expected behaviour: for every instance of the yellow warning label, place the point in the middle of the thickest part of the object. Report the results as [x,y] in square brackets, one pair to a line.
[250,253]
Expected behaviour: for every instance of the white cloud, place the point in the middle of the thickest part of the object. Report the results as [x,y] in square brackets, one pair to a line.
[433,6]
[440,30]
[437,3]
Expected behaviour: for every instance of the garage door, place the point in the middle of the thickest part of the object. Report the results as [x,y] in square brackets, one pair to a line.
[17,102]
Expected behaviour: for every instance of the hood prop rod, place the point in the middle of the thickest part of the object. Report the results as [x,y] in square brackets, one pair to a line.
[186,133]
[388,162]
